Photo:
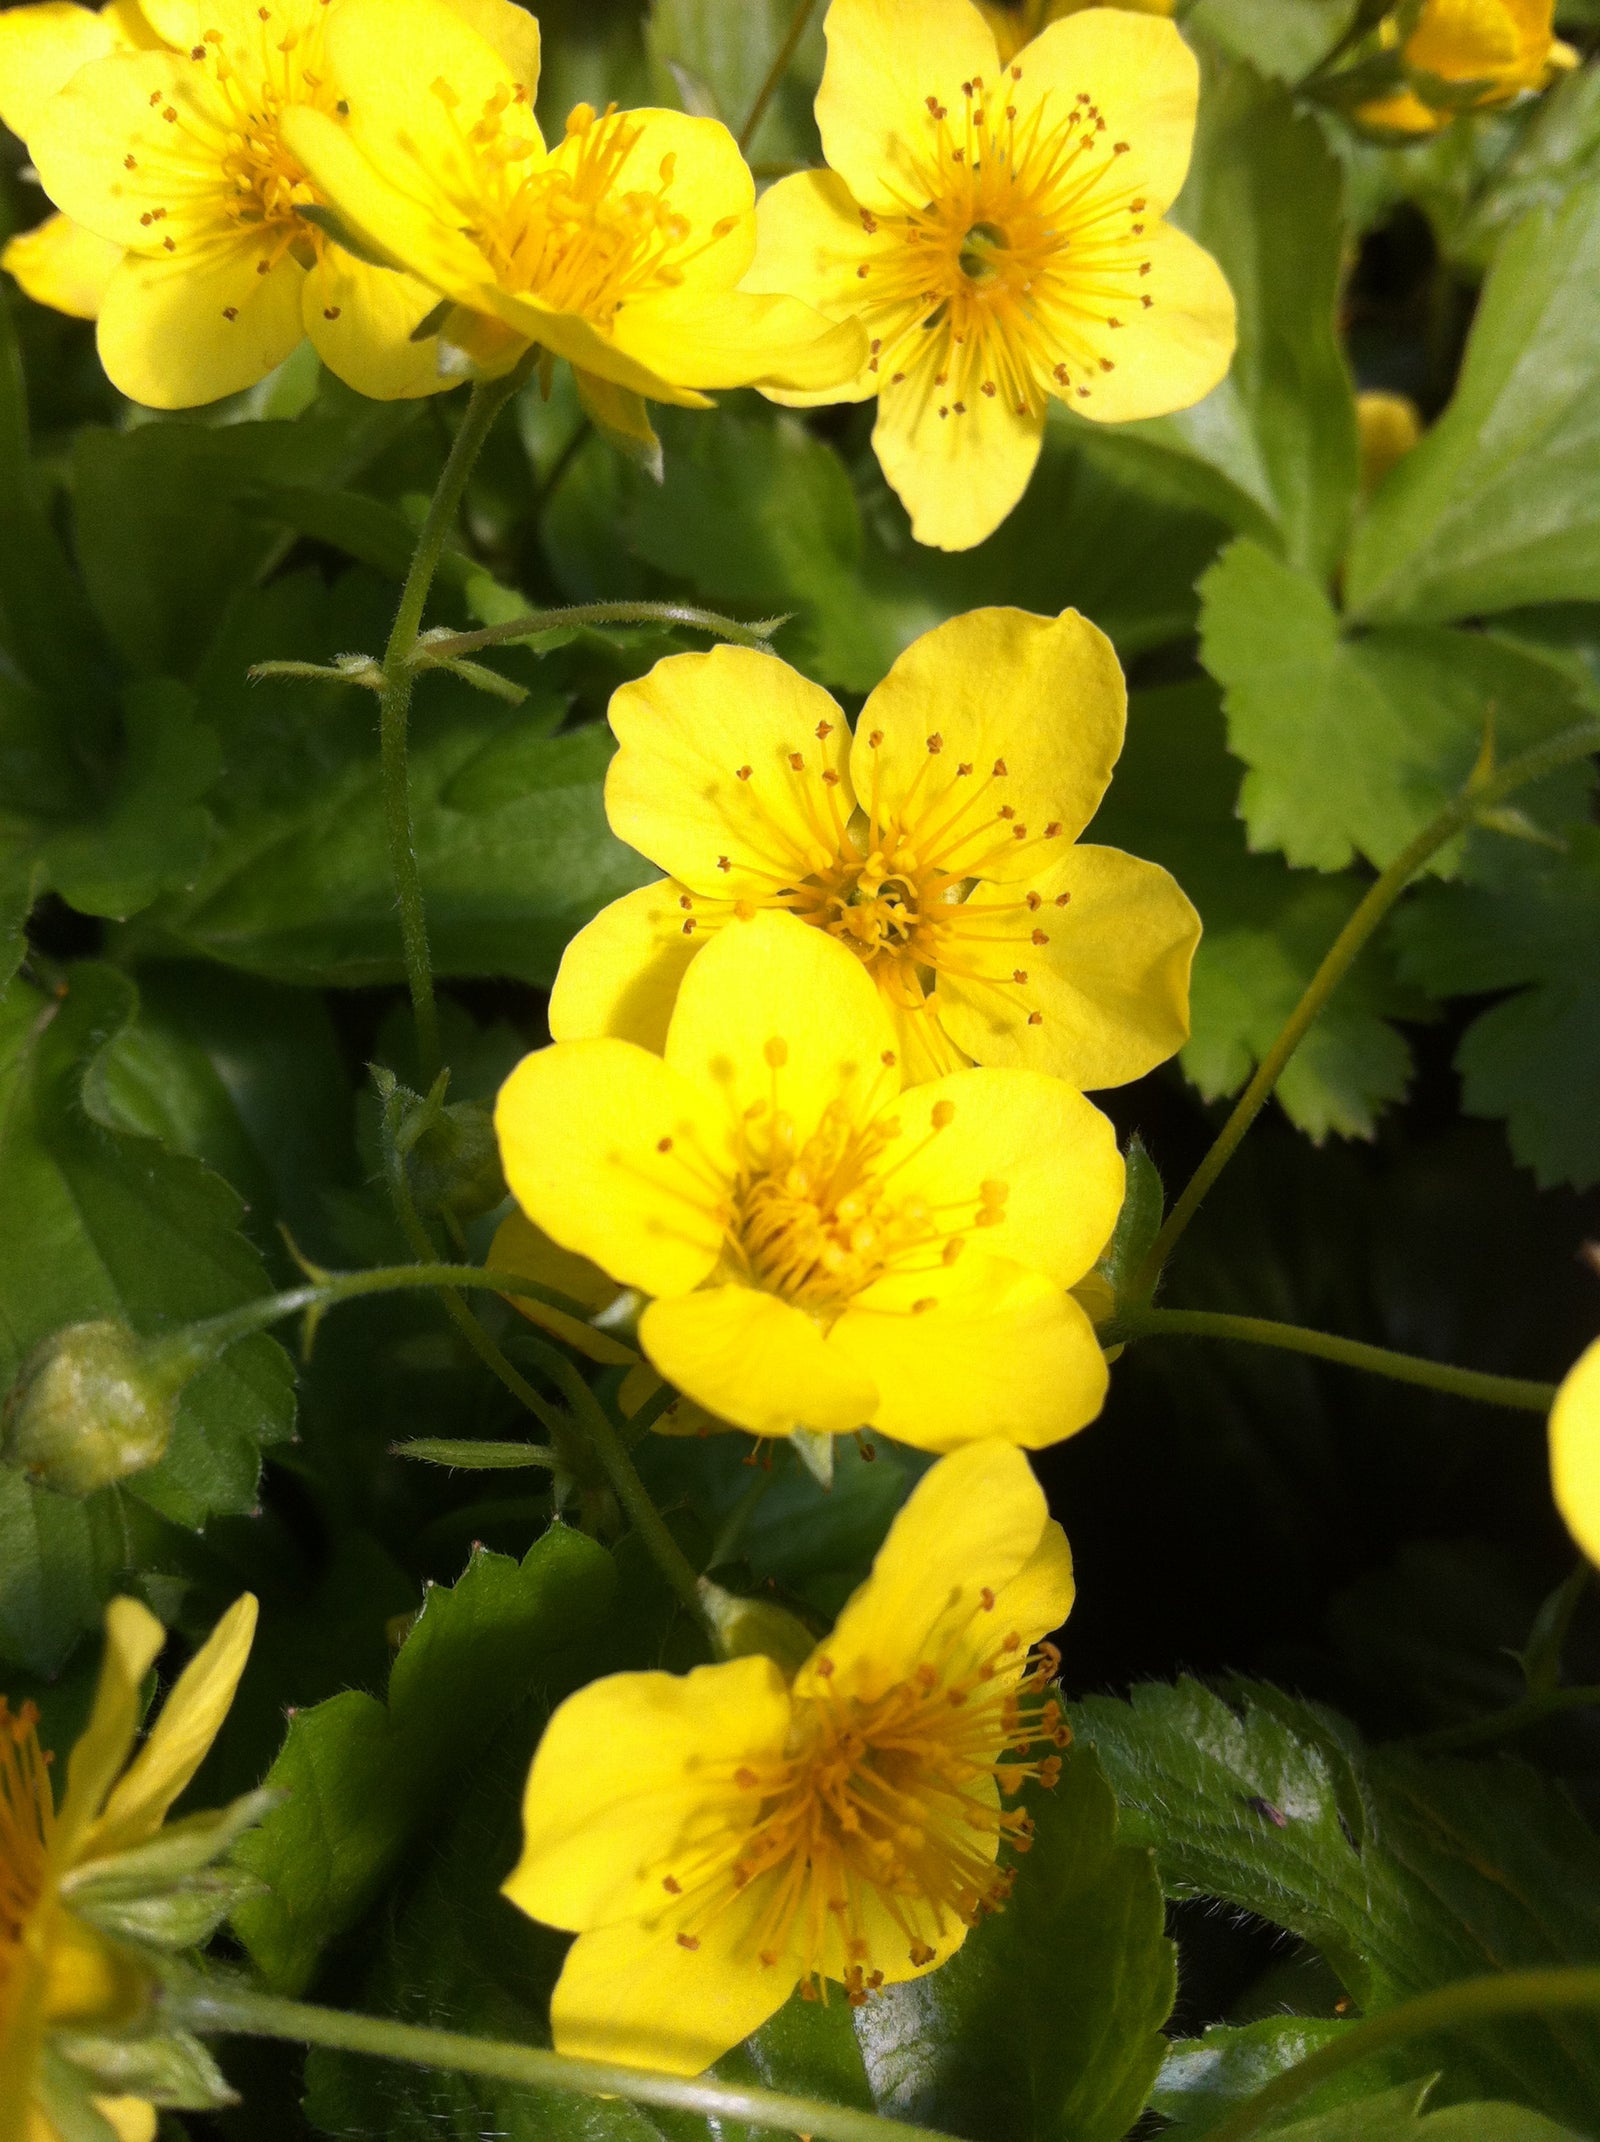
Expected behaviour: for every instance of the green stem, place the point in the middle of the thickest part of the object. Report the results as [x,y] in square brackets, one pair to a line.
[1146,1323]
[224,2011]
[1470,2001]
[1516,1718]
[620,1470]
[1480,793]
[757,636]
[399,678]
[798,23]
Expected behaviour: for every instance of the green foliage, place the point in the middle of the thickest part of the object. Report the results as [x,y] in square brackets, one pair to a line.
[1530,924]
[1203,2079]
[1496,506]
[117,1227]
[1394,2117]
[364,1779]
[1047,2024]
[1404,1874]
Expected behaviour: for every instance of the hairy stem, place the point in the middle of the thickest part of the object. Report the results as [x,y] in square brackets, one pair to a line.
[798,23]
[606,613]
[1146,1323]
[1481,793]
[394,707]
[224,2011]
[1470,2001]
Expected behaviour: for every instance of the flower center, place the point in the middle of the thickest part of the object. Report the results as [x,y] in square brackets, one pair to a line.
[1014,248]
[892,1803]
[572,233]
[27,1816]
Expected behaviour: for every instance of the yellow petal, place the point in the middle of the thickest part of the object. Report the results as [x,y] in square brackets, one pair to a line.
[709,187]
[1053,1151]
[1402,113]
[1040,752]
[629,1774]
[407,68]
[133,1643]
[513,33]
[688,731]
[181,1737]
[643,1999]
[131,26]
[1575,1451]
[396,211]
[885,61]
[775,1014]
[1009,1355]
[109,110]
[521,1248]
[733,338]
[957,464]
[178,331]
[620,974]
[1144,82]
[1167,356]
[757,1362]
[1464,40]
[588,348]
[60,264]
[130,2119]
[1110,987]
[41,49]
[582,1127]
[809,243]
[972,1522]
[360,319]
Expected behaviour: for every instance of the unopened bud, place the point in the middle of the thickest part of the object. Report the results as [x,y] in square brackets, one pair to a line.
[92,1404]
[741,1628]
[455,1162]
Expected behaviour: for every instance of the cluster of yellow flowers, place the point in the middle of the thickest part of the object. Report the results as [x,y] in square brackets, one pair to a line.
[1458,56]
[988,234]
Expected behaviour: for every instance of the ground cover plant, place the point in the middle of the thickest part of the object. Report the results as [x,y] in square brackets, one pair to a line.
[799,1070]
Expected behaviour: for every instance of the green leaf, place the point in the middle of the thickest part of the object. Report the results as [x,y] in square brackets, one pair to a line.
[1266,927]
[365,1779]
[1497,506]
[118,1227]
[1202,2079]
[19,888]
[1530,924]
[1393,2118]
[1264,196]
[1284,42]
[163,533]
[1354,744]
[1405,1874]
[1046,2024]
[511,834]
[727,47]
[1560,148]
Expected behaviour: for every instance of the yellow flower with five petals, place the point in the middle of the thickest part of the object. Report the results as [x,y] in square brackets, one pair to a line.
[60,1973]
[717,1838]
[621,249]
[997,228]
[1575,1451]
[175,154]
[939,843]
[825,1250]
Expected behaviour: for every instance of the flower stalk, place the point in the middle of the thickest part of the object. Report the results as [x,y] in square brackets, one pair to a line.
[213,2009]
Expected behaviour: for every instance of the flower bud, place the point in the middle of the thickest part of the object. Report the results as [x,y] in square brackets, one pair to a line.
[92,1404]
[455,1162]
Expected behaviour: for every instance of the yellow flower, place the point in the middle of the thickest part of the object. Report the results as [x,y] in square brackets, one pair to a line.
[60,1972]
[1575,1451]
[939,844]
[1016,22]
[998,231]
[176,156]
[1466,55]
[718,1838]
[825,1250]
[621,249]
[58,262]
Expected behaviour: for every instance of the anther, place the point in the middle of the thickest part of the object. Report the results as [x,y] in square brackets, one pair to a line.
[987,1598]
[776,1051]
[824,731]
[723,863]
[687,1941]
[1040,938]
[1036,1018]
[745,1779]
[1000,769]
[935,744]
[921,1308]
[889,1059]
[672,1885]
[663,1145]
[744,773]
[943,1114]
